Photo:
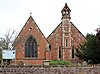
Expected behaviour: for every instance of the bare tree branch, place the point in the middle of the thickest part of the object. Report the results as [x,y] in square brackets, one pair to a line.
[9,38]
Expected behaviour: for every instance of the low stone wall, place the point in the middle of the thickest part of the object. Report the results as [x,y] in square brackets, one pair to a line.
[50,70]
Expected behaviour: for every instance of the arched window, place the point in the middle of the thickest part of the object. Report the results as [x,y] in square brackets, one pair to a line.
[66,43]
[31,47]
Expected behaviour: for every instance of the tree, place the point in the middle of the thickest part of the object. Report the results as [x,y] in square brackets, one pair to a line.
[98,39]
[8,39]
[3,43]
[89,50]
[6,42]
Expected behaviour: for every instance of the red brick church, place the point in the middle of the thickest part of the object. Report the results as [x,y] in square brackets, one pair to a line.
[33,48]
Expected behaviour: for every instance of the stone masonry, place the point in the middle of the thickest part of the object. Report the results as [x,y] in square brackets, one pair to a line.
[50,70]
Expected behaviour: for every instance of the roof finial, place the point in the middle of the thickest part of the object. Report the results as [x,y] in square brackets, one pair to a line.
[65,4]
[30,13]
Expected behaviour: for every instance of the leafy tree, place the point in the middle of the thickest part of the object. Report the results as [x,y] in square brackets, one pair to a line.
[3,43]
[89,50]
[0,55]
[98,39]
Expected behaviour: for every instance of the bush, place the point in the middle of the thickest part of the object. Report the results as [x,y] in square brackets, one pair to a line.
[53,62]
[60,62]
[69,63]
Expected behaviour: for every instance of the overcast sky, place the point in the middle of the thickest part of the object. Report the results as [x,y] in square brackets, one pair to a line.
[85,14]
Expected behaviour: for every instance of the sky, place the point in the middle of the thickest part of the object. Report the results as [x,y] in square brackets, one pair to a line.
[85,14]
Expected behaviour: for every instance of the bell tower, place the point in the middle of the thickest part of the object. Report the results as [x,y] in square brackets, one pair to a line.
[66,30]
[66,12]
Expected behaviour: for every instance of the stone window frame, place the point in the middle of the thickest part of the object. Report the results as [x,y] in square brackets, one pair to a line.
[35,57]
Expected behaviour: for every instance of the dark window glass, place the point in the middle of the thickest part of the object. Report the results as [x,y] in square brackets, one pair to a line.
[72,52]
[66,42]
[59,53]
[50,47]
[31,47]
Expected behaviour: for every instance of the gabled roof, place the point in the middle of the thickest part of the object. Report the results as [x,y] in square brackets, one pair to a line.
[54,30]
[25,25]
[71,24]
[78,30]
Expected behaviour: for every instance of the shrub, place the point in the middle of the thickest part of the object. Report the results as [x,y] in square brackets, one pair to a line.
[60,62]
[69,64]
[53,62]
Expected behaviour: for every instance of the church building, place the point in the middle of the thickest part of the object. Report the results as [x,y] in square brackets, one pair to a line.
[33,48]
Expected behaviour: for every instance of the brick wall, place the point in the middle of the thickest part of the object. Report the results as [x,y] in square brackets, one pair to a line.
[65,37]
[71,33]
[31,29]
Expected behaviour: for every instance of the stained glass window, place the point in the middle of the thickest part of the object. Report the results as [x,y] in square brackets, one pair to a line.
[31,47]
